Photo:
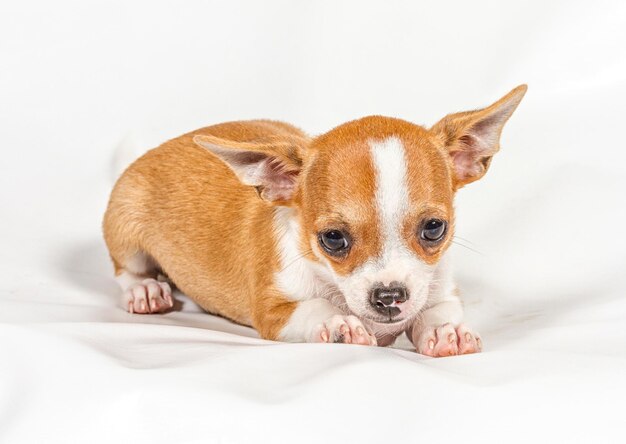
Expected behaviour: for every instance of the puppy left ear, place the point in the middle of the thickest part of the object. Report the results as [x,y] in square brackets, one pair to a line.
[271,166]
[472,138]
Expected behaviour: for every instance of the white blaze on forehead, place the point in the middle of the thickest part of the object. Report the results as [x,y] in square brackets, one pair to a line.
[392,194]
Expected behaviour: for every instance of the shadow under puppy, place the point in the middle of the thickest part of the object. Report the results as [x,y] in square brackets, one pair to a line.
[336,238]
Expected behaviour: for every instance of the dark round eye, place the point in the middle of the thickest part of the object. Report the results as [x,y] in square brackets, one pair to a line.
[433,230]
[334,242]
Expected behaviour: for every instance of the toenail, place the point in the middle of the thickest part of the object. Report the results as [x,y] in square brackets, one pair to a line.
[324,336]
[431,344]
[451,338]
[468,337]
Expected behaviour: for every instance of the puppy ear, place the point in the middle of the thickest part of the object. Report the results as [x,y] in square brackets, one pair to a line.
[472,138]
[271,166]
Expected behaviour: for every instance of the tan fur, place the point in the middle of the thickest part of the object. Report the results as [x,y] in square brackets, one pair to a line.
[209,233]
[213,236]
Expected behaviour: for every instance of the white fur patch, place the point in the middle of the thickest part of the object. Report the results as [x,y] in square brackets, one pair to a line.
[298,278]
[308,315]
[126,279]
[392,193]
[443,313]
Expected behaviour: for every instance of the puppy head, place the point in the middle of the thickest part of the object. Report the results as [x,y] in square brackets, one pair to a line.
[375,198]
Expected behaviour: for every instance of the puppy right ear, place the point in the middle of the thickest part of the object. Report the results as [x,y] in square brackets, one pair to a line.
[271,166]
[472,138]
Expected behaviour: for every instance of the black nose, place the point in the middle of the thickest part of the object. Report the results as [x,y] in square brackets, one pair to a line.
[384,299]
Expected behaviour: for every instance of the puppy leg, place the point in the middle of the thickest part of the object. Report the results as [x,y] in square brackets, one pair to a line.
[317,320]
[439,331]
[313,320]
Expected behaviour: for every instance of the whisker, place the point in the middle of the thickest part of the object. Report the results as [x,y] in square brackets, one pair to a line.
[300,256]
[469,248]
[464,240]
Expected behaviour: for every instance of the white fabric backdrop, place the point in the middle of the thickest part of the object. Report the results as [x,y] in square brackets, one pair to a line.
[544,286]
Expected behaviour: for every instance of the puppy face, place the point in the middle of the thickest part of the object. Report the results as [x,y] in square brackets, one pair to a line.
[374,197]
[377,208]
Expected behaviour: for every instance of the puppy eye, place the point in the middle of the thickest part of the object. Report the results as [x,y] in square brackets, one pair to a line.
[433,230]
[334,242]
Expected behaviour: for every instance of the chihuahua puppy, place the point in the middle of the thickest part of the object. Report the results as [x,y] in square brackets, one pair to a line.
[336,238]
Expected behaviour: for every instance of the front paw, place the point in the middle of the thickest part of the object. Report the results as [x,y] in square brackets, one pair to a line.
[343,329]
[446,340]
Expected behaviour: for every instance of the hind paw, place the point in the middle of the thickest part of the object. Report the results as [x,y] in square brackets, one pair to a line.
[148,296]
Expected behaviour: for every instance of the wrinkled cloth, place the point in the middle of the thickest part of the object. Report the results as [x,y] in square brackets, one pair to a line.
[539,250]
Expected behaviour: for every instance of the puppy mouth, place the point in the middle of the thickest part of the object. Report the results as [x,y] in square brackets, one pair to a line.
[389,321]
[391,317]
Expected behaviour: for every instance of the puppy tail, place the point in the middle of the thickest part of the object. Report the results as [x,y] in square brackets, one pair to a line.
[129,149]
